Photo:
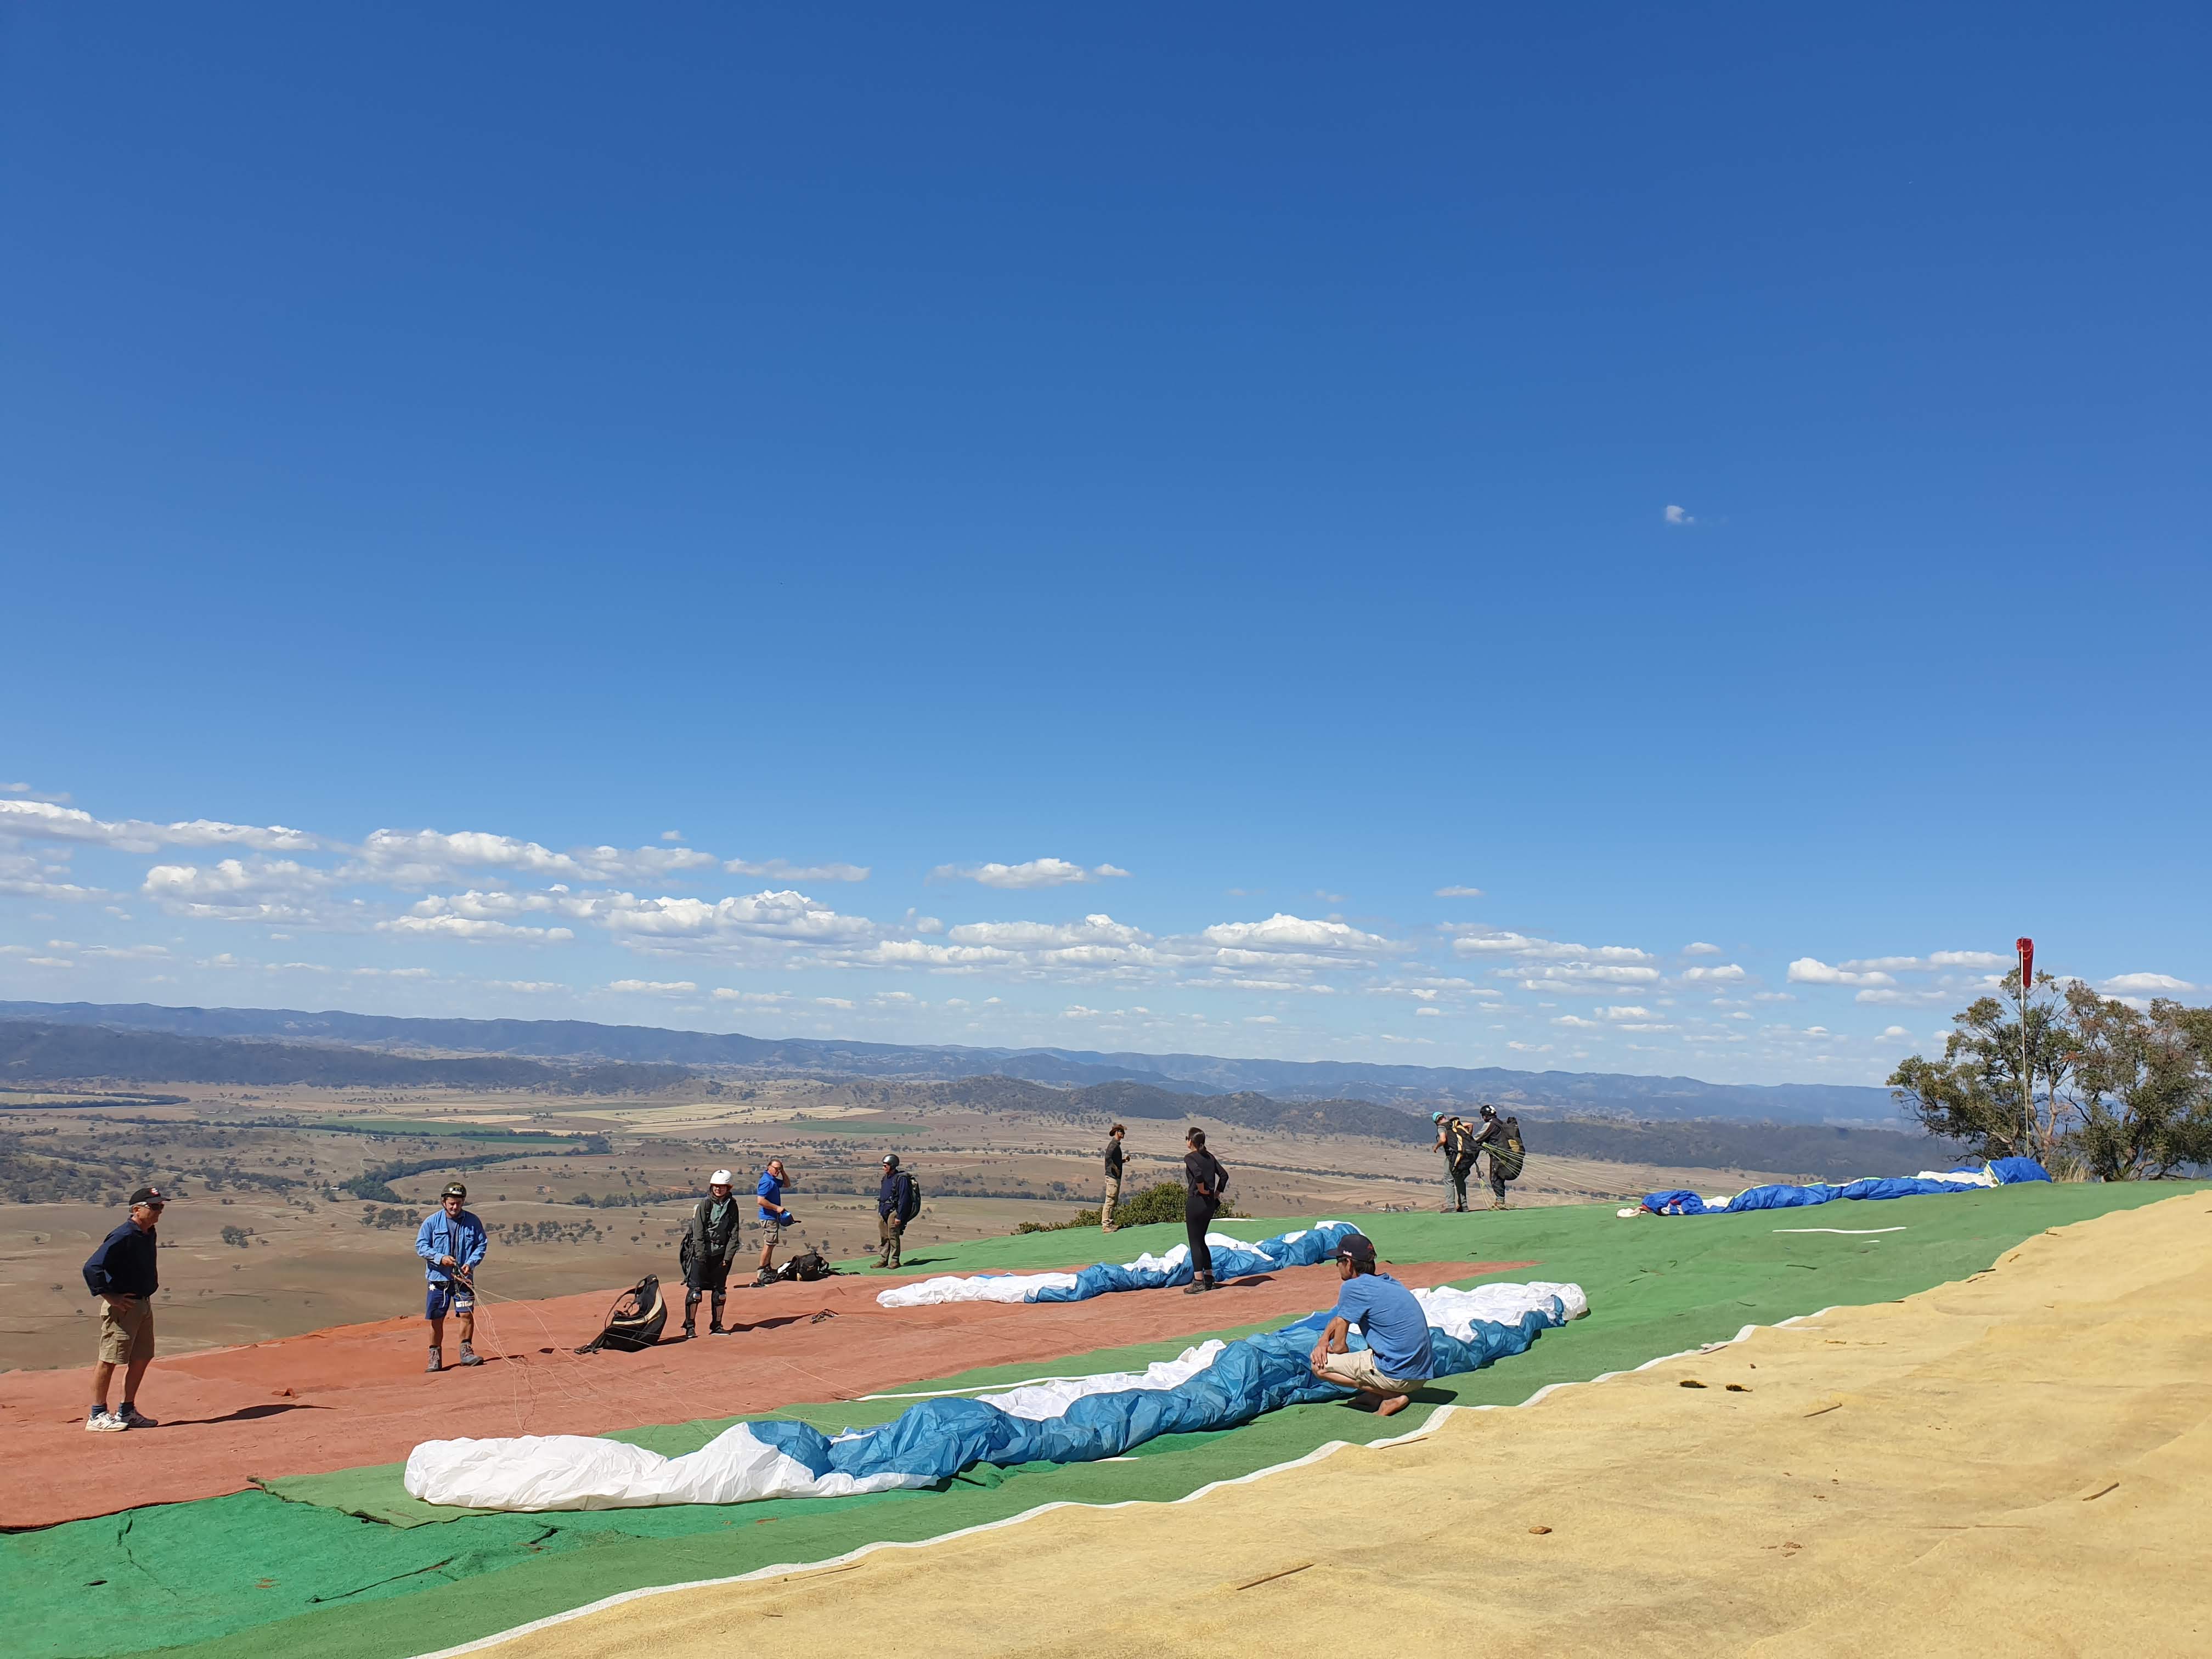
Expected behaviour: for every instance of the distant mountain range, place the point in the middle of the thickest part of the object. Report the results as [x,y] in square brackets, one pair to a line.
[1590,1094]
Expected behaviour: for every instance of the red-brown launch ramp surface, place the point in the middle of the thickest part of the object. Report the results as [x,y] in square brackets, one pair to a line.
[357,1395]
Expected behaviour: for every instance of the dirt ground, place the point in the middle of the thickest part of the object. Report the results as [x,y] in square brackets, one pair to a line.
[2015,1464]
[307,1257]
[356,1395]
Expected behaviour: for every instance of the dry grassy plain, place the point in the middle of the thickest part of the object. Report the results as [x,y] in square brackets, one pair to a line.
[267,1163]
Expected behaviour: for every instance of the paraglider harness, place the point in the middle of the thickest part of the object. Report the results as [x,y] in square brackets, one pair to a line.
[635,1322]
[1507,1152]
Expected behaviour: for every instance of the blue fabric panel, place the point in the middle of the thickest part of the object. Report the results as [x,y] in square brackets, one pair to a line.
[1897,1186]
[1681,1201]
[1318,1244]
[935,1439]
[2010,1170]
[1782,1197]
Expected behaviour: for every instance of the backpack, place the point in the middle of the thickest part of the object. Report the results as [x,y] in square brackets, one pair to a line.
[1507,1152]
[807,1266]
[1459,1138]
[912,1207]
[634,1321]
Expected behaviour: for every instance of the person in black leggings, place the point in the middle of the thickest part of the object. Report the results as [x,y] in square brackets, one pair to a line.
[1203,1180]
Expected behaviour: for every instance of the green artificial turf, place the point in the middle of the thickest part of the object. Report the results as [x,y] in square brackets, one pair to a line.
[254,1574]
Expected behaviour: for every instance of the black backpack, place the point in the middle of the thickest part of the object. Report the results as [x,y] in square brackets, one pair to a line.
[912,1207]
[806,1267]
[1507,1152]
[635,1322]
[1459,1138]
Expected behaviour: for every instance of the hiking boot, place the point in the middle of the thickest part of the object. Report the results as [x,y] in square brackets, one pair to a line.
[690,1330]
[131,1417]
[719,1329]
[104,1422]
[435,1365]
[1197,1286]
[468,1356]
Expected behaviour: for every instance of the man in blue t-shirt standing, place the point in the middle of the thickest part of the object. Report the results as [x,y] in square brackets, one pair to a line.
[1398,1358]
[773,1217]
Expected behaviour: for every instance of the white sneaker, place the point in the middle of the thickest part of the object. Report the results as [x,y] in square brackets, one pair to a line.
[105,1423]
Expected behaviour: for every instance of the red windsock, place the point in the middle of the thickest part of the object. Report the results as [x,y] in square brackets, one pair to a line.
[2026,963]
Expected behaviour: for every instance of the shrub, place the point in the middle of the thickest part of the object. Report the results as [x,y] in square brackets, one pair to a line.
[1163,1201]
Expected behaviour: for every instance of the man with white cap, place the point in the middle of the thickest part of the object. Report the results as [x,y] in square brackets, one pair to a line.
[710,1244]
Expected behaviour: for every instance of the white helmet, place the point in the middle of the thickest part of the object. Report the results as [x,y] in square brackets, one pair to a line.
[720,1178]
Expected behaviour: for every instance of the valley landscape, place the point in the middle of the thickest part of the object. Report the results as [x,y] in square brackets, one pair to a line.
[585,1176]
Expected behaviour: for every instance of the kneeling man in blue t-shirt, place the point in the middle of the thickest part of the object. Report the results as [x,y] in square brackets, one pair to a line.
[1397,1359]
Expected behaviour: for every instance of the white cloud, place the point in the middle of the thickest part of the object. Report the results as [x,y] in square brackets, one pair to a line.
[1037,873]
[1895,1031]
[2146,984]
[44,820]
[672,835]
[833,1002]
[1700,948]
[530,986]
[1433,1013]
[27,878]
[1283,938]
[1811,970]
[244,890]
[1487,942]
[1459,892]
[1891,996]
[752,999]
[1727,973]
[1530,1047]
[654,987]
[1576,1019]
[1675,515]
[1579,979]
[1885,964]
[1968,959]
[783,870]
[475,929]
[425,858]
[1631,1012]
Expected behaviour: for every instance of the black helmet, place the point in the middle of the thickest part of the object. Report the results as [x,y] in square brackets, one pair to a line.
[1488,1111]
[890,1160]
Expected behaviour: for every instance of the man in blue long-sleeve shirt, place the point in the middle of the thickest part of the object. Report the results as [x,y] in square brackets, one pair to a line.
[123,1274]
[452,1242]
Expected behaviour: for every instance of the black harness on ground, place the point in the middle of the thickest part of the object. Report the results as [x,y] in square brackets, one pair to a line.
[636,1320]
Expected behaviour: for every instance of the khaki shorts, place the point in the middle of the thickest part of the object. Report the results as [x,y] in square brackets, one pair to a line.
[125,1334]
[1356,1371]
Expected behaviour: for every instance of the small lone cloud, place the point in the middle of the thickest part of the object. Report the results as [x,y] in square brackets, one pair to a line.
[1037,873]
[1459,892]
[1677,515]
[672,835]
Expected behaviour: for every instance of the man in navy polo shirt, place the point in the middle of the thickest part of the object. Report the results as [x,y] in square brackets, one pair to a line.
[1398,1358]
[122,1273]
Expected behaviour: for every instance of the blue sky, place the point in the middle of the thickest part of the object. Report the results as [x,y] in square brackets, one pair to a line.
[1701,479]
